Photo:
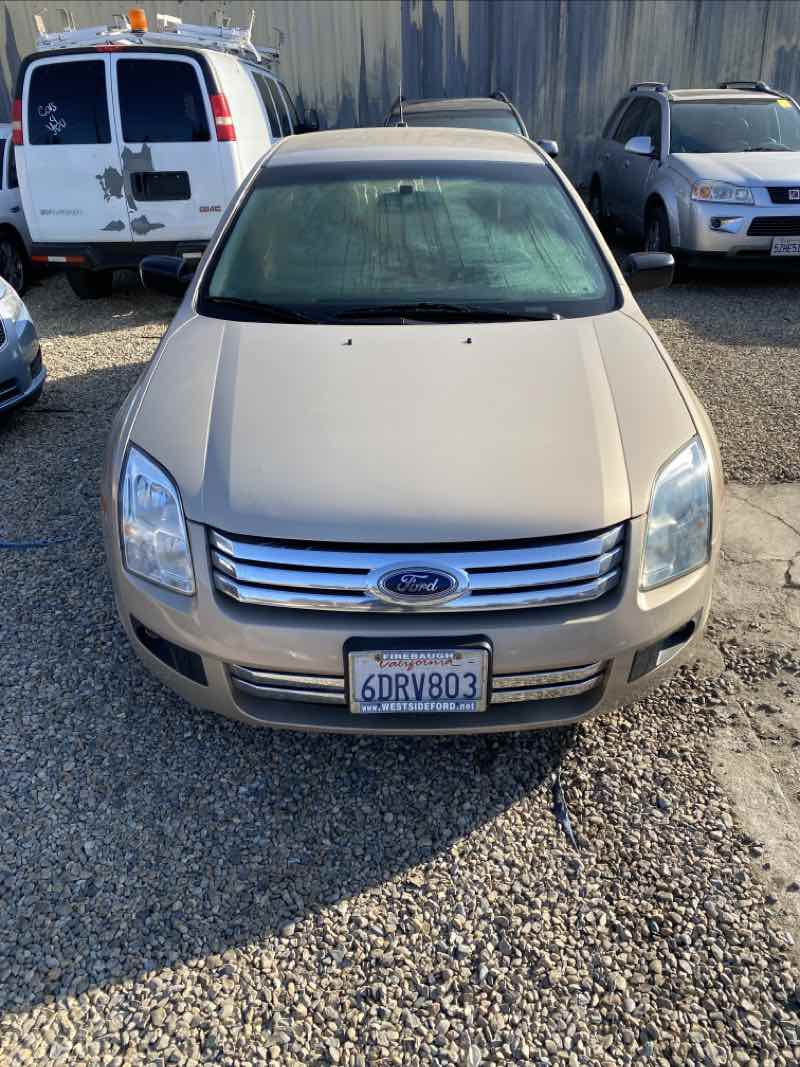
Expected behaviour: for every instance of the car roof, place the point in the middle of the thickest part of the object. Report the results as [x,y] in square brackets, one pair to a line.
[405,143]
[455,103]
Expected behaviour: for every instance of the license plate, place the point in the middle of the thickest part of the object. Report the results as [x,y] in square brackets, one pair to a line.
[418,681]
[786,246]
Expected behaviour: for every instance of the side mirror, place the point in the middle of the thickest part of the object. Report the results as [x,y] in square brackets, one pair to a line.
[648,270]
[311,123]
[550,148]
[167,274]
[640,146]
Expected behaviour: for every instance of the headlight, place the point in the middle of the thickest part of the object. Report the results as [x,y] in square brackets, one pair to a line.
[153,531]
[12,309]
[678,537]
[722,193]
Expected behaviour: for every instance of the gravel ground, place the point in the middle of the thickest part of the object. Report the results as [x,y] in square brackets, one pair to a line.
[736,340]
[176,888]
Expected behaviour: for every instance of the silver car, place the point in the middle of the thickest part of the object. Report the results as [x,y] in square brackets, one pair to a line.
[712,175]
[22,372]
[410,457]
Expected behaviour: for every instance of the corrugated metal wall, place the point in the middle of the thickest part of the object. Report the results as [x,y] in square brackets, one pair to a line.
[563,61]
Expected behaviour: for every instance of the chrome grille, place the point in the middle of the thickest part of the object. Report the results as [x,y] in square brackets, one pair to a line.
[539,573]
[784,194]
[505,688]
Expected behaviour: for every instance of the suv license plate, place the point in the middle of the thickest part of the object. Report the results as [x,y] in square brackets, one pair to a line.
[786,246]
[418,681]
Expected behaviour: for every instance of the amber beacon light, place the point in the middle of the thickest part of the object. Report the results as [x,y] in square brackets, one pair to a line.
[138,19]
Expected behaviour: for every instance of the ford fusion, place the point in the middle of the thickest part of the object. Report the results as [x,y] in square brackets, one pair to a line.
[410,457]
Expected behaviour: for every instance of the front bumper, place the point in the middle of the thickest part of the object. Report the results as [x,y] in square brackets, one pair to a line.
[718,234]
[22,372]
[112,255]
[222,633]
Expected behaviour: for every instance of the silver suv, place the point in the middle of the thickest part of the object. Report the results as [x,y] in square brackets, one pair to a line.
[712,175]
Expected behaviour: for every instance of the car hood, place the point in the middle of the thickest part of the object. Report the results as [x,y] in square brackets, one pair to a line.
[412,433]
[741,168]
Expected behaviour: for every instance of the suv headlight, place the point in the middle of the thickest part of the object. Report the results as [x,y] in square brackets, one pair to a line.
[678,538]
[722,193]
[152,529]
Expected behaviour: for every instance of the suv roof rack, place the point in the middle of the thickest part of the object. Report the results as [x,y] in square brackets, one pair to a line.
[171,30]
[656,87]
[498,94]
[752,86]
[758,87]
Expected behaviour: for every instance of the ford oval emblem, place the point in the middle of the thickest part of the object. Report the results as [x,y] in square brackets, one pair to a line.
[415,584]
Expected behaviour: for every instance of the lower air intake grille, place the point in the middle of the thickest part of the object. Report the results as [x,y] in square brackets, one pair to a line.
[498,577]
[506,688]
[775,226]
[8,390]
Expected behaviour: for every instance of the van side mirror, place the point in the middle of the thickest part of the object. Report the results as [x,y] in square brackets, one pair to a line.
[167,274]
[648,270]
[550,148]
[640,146]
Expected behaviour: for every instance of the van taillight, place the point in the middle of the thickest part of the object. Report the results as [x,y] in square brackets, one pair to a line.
[226,131]
[16,122]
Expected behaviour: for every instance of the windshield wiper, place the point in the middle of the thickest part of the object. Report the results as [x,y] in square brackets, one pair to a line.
[448,312]
[771,148]
[264,312]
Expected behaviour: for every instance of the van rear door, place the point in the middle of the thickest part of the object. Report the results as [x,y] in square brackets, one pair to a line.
[69,164]
[170,154]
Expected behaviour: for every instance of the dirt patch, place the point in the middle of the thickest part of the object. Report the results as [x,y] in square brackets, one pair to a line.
[757,752]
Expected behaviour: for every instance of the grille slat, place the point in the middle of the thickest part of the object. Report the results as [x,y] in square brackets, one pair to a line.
[775,226]
[541,573]
[506,688]
[780,194]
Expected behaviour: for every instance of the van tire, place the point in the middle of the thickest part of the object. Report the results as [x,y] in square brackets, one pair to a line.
[14,263]
[90,284]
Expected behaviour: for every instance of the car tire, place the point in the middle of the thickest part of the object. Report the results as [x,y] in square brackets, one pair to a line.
[597,210]
[657,236]
[14,264]
[90,284]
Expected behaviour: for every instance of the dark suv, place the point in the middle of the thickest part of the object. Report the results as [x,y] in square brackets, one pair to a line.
[495,112]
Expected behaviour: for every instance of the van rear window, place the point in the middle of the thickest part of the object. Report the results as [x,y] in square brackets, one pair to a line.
[160,101]
[68,104]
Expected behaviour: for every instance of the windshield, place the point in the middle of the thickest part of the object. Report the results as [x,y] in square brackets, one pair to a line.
[327,240]
[502,120]
[769,125]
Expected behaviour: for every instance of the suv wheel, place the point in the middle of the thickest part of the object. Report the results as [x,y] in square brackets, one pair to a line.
[13,263]
[656,230]
[597,210]
[90,284]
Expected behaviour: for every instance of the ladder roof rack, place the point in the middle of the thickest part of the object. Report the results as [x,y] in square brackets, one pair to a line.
[170,30]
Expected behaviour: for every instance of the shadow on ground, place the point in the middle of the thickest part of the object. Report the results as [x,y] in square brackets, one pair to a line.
[142,831]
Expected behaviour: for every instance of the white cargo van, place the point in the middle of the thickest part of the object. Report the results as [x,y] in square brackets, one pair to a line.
[131,142]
